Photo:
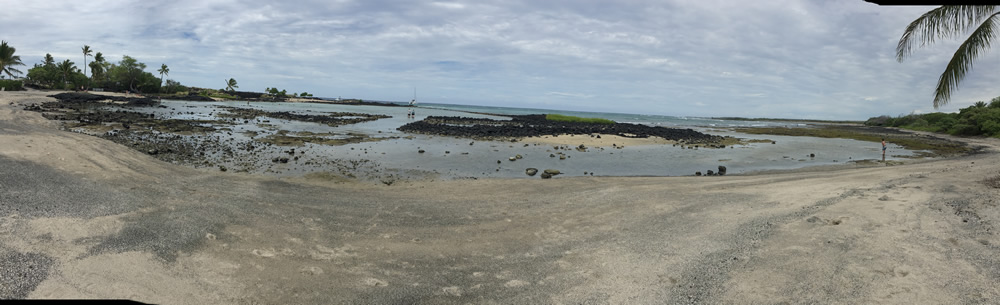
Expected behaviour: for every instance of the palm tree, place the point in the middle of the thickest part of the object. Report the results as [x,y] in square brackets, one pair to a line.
[945,22]
[49,60]
[231,85]
[86,52]
[96,71]
[163,71]
[8,60]
[66,68]
[104,65]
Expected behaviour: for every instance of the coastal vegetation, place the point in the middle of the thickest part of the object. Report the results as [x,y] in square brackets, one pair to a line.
[945,22]
[979,119]
[163,70]
[275,92]
[7,63]
[127,74]
[86,52]
[11,85]
[216,94]
[574,119]
[231,85]
[284,93]
[8,60]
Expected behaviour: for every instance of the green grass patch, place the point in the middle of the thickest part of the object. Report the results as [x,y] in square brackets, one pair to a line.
[223,96]
[574,119]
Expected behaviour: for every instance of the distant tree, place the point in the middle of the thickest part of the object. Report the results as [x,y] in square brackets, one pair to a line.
[105,66]
[66,68]
[173,86]
[130,72]
[86,52]
[96,71]
[163,71]
[945,22]
[995,102]
[8,60]
[44,74]
[231,85]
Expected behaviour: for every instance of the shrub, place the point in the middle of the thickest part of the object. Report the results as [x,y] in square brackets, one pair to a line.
[994,103]
[988,122]
[11,85]
[964,129]
[980,118]
[881,120]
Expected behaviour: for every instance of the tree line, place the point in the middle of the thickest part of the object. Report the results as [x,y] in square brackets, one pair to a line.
[979,119]
[128,74]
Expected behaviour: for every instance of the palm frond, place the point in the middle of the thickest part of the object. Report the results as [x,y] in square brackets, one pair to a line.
[961,62]
[8,60]
[943,22]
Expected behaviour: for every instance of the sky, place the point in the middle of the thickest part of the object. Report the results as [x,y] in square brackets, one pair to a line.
[811,59]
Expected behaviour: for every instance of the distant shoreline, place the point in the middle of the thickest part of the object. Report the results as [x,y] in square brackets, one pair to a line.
[806,121]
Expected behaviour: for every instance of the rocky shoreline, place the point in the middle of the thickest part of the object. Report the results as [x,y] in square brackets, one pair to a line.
[244,139]
[536,125]
[209,143]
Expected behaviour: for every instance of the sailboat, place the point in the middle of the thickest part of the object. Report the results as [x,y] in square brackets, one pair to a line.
[413,102]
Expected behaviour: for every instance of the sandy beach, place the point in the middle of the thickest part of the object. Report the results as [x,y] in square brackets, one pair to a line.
[83,217]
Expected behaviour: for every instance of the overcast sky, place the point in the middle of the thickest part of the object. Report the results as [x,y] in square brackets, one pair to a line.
[784,59]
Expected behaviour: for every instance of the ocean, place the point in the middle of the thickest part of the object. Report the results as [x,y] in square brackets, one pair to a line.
[645,119]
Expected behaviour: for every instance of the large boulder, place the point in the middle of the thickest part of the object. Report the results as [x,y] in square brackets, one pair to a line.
[531,171]
[722,170]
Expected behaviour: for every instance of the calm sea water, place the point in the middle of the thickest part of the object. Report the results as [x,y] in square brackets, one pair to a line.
[396,152]
[646,119]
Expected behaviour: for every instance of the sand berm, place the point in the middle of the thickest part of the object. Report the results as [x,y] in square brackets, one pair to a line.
[82,217]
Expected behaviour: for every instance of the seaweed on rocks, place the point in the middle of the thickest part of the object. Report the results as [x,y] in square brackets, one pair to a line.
[80,98]
[536,125]
[333,119]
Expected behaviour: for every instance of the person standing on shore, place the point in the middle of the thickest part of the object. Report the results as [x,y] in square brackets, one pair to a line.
[883,149]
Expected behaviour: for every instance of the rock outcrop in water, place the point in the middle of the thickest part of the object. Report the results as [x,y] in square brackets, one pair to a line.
[78,98]
[537,125]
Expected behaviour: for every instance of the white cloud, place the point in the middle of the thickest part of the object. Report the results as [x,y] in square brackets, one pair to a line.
[826,59]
